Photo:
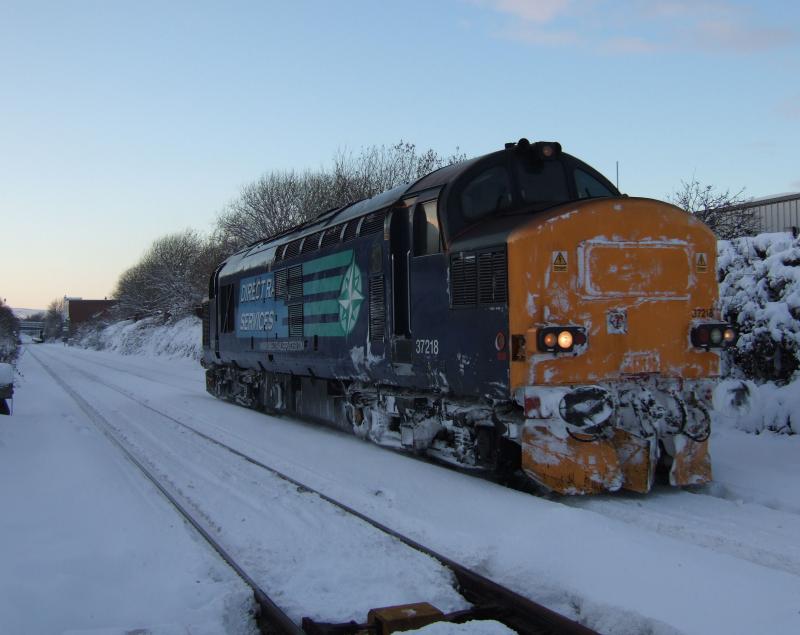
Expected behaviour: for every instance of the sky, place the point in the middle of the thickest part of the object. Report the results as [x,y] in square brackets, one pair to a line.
[121,122]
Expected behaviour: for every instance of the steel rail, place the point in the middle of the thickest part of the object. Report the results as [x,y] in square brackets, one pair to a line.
[271,619]
[516,611]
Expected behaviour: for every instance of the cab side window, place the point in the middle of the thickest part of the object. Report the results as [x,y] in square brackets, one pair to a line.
[542,181]
[427,237]
[589,187]
[488,192]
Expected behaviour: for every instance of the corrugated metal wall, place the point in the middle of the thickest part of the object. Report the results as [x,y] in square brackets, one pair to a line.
[780,214]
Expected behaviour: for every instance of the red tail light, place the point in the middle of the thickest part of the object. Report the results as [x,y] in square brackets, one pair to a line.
[713,335]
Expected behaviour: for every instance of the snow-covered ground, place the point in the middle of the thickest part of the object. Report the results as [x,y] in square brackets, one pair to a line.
[89,546]
[722,559]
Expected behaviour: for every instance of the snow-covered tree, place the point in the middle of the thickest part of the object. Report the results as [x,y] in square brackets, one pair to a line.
[9,331]
[760,294]
[170,279]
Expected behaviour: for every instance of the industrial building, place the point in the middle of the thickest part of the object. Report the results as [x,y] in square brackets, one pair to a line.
[78,311]
[776,213]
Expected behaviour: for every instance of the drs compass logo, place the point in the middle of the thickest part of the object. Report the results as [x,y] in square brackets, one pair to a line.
[350,297]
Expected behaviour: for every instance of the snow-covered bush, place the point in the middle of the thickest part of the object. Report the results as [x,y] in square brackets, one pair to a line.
[150,336]
[760,294]
[755,408]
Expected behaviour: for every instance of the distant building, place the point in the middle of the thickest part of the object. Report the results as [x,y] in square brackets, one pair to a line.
[77,311]
[778,213]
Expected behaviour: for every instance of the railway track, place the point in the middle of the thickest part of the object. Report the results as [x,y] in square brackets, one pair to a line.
[489,599]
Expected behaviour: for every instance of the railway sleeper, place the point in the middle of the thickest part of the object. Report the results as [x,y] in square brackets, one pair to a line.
[403,617]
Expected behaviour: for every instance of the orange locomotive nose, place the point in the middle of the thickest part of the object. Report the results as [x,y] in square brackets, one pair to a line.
[628,275]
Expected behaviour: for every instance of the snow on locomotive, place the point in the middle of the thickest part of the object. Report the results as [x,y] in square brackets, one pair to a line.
[511,312]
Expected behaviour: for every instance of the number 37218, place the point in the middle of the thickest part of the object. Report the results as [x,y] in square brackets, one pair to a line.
[427,347]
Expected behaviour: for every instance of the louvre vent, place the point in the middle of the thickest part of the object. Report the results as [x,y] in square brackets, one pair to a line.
[377,309]
[373,223]
[293,248]
[227,309]
[295,320]
[479,278]
[500,275]
[485,279]
[280,284]
[311,243]
[351,230]
[463,277]
[295,282]
[279,253]
[332,235]
[206,326]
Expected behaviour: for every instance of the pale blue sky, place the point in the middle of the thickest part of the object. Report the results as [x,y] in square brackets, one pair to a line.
[123,121]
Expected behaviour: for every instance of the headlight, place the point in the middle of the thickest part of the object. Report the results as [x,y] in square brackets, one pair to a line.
[560,339]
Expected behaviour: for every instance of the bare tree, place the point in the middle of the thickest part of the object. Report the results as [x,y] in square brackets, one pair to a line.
[54,319]
[727,214]
[280,200]
[264,208]
[172,275]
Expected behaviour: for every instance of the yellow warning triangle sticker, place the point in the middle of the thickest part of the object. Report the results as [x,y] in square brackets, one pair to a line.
[560,262]
[702,263]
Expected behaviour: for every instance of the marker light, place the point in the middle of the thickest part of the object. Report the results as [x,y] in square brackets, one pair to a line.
[712,335]
[565,339]
[549,339]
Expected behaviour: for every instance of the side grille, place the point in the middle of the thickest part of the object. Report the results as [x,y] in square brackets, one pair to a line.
[373,223]
[351,230]
[293,248]
[227,309]
[280,284]
[311,243]
[480,278]
[500,275]
[377,309]
[332,235]
[463,278]
[206,326]
[295,320]
[295,282]
[492,278]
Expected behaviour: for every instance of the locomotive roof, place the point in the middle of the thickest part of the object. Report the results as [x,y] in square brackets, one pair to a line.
[264,249]
[337,215]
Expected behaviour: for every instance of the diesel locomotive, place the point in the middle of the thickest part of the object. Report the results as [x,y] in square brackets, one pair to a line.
[512,312]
